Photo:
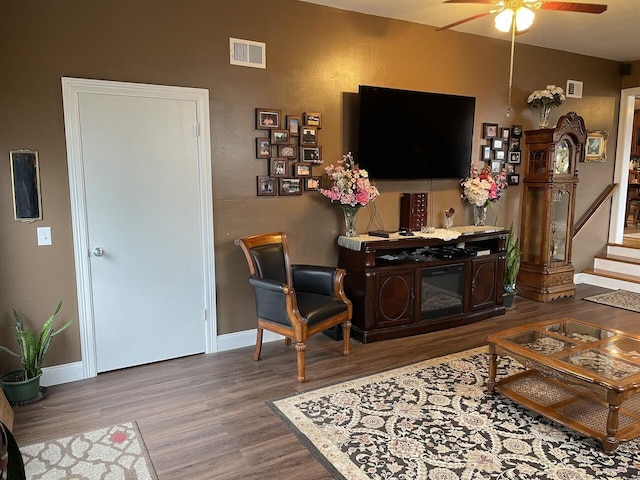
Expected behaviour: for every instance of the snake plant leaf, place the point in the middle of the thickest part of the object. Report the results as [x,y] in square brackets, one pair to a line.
[32,351]
[512,258]
[11,352]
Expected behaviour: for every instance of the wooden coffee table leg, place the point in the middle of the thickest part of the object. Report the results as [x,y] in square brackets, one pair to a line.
[610,442]
[491,383]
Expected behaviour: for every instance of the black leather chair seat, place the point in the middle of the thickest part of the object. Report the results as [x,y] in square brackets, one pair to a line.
[316,308]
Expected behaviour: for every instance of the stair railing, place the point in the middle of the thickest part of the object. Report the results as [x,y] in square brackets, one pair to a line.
[604,196]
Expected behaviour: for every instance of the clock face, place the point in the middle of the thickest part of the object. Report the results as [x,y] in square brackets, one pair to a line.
[563,155]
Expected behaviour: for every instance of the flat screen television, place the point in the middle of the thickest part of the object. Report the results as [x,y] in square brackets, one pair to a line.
[404,134]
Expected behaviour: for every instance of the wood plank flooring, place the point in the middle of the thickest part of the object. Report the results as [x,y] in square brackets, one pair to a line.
[205,417]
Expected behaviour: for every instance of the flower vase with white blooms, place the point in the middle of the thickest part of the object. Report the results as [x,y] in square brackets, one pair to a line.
[544,100]
[351,188]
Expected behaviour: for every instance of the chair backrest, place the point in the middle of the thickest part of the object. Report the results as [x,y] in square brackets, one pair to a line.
[267,256]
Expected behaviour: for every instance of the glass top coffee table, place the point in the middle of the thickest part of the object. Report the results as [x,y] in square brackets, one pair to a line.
[579,374]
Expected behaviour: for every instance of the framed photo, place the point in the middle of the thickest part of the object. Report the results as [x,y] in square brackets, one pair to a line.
[266,186]
[485,153]
[313,119]
[496,166]
[499,155]
[25,184]
[505,133]
[290,186]
[278,167]
[489,130]
[514,144]
[312,184]
[279,136]
[263,148]
[293,125]
[497,144]
[287,151]
[301,169]
[513,179]
[516,131]
[596,146]
[267,118]
[510,168]
[309,136]
[311,154]
[515,157]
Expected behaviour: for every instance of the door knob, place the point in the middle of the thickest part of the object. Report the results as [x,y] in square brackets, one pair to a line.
[98,252]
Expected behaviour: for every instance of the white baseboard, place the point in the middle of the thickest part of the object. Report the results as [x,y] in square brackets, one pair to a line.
[246,338]
[71,372]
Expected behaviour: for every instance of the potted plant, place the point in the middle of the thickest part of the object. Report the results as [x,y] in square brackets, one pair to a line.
[24,385]
[511,267]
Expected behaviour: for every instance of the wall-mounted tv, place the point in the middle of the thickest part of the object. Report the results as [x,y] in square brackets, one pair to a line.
[404,134]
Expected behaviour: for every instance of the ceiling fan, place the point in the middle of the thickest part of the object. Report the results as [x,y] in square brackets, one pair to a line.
[520,13]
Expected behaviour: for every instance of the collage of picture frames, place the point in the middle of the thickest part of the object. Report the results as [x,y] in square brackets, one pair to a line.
[502,149]
[291,150]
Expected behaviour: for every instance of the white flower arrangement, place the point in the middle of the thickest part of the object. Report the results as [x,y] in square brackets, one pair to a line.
[551,96]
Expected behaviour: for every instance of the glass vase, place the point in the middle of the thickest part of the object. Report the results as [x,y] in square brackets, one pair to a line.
[448,221]
[479,215]
[544,111]
[350,214]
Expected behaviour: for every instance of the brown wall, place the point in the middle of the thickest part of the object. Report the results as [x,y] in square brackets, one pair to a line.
[316,58]
[633,79]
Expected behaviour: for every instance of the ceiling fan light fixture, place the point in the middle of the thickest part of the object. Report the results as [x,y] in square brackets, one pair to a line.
[504,20]
[524,18]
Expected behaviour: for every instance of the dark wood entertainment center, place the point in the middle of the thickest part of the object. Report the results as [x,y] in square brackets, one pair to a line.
[395,283]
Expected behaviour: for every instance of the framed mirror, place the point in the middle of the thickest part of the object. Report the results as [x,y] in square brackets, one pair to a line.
[25,183]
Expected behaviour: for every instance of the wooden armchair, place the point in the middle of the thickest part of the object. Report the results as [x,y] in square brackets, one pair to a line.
[296,301]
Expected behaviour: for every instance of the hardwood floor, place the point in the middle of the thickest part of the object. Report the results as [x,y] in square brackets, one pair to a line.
[205,417]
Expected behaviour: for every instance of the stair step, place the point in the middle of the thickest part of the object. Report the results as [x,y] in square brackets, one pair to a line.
[617,263]
[623,250]
[614,275]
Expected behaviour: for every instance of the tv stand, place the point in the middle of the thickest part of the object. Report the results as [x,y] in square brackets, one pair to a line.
[403,286]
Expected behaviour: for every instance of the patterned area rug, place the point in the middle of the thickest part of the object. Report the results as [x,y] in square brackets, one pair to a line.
[434,420]
[111,453]
[619,299]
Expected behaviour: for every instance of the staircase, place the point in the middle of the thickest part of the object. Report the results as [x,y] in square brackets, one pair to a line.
[618,269]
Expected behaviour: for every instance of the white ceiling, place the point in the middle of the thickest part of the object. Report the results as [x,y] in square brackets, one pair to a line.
[614,34]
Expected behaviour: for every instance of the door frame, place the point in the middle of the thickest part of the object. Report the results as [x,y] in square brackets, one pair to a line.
[71,88]
[623,154]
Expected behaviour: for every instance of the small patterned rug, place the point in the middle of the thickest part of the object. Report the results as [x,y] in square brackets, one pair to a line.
[618,299]
[434,420]
[111,453]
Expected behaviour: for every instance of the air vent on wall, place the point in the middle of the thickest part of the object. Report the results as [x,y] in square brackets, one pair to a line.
[574,89]
[247,53]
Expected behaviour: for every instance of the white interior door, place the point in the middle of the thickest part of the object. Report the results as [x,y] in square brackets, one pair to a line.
[146,262]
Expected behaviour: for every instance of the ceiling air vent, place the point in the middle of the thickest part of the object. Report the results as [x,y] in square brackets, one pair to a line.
[247,53]
[574,89]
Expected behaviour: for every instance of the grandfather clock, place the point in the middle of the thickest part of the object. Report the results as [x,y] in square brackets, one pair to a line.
[548,204]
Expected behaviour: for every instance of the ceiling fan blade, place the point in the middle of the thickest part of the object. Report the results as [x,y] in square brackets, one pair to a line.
[484,2]
[574,7]
[455,24]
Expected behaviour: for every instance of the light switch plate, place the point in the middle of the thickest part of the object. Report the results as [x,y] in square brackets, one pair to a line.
[44,236]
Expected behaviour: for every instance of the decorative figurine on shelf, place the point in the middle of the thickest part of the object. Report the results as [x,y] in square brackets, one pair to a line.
[350,188]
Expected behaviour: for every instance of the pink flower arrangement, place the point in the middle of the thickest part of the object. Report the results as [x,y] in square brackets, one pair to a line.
[484,186]
[350,185]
